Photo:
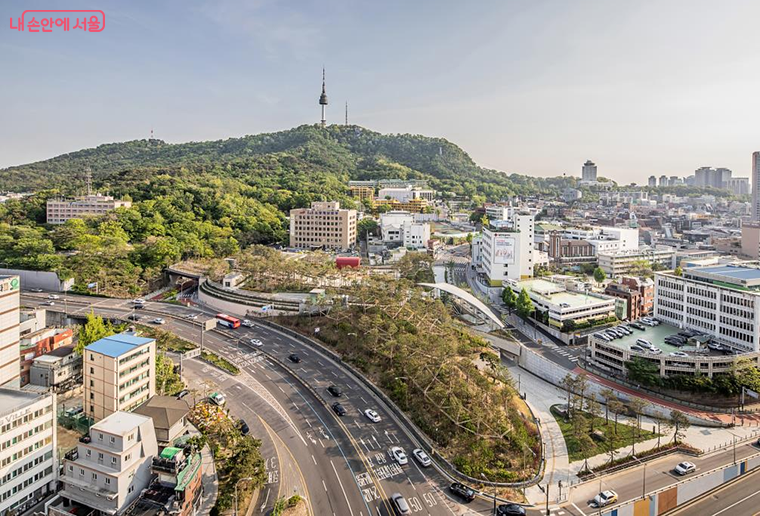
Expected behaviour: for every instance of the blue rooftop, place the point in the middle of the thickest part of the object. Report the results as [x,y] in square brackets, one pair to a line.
[116,345]
[735,272]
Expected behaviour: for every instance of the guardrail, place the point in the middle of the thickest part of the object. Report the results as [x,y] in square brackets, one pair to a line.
[408,425]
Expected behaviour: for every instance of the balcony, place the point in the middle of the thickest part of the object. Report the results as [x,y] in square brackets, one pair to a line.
[85,439]
[171,466]
[71,455]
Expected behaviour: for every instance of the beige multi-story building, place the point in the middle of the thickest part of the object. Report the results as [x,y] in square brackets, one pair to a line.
[325,224]
[59,211]
[9,330]
[119,374]
[362,192]
[109,468]
[27,449]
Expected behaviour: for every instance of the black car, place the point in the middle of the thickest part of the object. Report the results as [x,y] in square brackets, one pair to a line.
[243,426]
[462,491]
[335,391]
[294,358]
[133,317]
[511,509]
[339,409]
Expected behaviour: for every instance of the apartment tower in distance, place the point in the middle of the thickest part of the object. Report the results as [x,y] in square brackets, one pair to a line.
[756,186]
[588,172]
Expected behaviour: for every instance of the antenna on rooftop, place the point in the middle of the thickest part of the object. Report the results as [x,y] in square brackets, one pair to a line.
[88,180]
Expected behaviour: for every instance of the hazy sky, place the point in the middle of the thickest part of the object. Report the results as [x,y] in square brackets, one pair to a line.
[533,87]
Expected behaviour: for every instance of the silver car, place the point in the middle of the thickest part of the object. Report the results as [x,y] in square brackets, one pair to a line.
[400,504]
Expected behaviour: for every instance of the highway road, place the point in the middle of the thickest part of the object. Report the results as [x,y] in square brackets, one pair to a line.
[739,498]
[344,462]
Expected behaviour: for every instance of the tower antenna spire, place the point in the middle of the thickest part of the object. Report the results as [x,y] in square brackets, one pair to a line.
[323,100]
[346,113]
[88,180]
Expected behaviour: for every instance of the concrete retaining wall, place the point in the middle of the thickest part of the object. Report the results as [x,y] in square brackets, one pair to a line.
[664,500]
[39,279]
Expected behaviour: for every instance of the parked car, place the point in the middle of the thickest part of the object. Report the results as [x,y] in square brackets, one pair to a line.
[181,394]
[399,456]
[339,409]
[511,509]
[605,498]
[244,428]
[217,398]
[644,343]
[400,504]
[655,350]
[636,348]
[421,457]
[335,391]
[638,326]
[679,354]
[247,323]
[684,468]
[159,320]
[372,415]
[294,358]
[462,491]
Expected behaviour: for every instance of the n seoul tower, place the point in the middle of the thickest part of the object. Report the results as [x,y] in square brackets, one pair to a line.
[323,100]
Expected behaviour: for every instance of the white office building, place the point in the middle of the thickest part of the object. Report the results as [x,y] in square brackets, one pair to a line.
[400,227]
[9,331]
[27,448]
[721,300]
[756,186]
[406,194]
[605,239]
[507,252]
[619,263]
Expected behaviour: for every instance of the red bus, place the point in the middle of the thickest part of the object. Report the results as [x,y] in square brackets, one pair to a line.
[229,322]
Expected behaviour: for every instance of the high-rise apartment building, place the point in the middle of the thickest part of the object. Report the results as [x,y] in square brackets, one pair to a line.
[588,172]
[27,449]
[325,225]
[9,330]
[506,250]
[59,211]
[756,186]
[653,181]
[119,374]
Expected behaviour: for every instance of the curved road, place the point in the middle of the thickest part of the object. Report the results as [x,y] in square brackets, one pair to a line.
[342,463]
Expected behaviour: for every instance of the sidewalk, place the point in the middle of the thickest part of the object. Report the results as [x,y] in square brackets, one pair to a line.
[540,397]
[210,486]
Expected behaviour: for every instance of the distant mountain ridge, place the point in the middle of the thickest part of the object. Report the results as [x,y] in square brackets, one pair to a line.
[351,152]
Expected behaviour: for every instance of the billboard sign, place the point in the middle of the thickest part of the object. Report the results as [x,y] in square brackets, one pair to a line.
[504,249]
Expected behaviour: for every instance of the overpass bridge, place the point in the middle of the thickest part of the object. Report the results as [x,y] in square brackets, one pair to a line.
[468,298]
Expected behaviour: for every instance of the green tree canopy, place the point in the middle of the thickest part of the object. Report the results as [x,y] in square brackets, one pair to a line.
[524,305]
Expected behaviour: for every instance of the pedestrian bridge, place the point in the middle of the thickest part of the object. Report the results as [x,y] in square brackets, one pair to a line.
[468,298]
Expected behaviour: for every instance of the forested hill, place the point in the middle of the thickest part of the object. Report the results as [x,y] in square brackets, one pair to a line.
[343,152]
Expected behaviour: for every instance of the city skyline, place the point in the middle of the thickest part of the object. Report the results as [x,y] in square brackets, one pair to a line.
[630,87]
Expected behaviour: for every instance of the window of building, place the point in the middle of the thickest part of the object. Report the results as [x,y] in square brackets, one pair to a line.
[113,439]
[108,481]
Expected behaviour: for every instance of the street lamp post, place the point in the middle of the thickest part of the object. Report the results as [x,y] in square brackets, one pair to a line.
[236,492]
[494,493]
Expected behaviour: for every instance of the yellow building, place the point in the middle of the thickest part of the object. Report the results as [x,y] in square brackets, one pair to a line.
[362,192]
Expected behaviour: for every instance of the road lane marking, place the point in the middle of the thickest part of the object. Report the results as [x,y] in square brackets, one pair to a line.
[342,489]
[579,510]
[737,503]
[324,485]
[315,460]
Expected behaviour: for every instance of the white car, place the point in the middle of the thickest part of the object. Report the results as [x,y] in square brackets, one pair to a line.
[159,320]
[49,303]
[247,323]
[372,415]
[685,468]
[605,498]
[192,317]
[399,456]
[54,296]
[679,354]
[138,301]
[256,342]
[422,457]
